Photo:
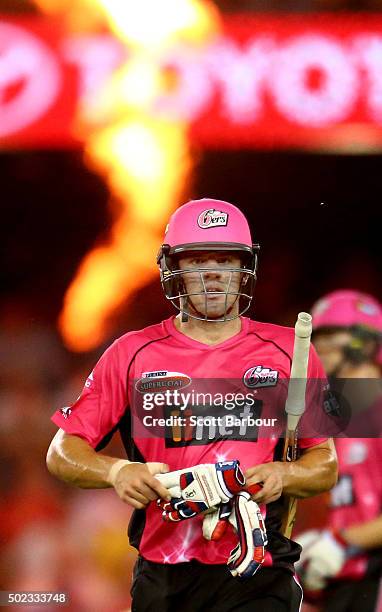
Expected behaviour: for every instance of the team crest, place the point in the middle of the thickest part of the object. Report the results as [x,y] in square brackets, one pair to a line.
[212,218]
[66,412]
[260,377]
[89,380]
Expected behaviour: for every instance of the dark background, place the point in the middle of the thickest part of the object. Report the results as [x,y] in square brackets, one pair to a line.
[317,218]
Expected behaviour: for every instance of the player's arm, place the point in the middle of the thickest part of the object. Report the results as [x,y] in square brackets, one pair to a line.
[324,552]
[73,460]
[314,472]
[365,535]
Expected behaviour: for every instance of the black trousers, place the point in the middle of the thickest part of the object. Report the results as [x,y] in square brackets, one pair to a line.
[352,596]
[197,587]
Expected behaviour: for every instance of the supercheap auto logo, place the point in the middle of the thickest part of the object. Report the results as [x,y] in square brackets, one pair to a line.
[162,380]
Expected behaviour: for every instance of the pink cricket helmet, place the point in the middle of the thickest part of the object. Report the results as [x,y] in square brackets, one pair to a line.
[347,308]
[206,225]
[351,310]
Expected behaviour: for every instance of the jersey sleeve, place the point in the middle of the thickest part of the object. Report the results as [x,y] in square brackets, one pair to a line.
[316,389]
[102,403]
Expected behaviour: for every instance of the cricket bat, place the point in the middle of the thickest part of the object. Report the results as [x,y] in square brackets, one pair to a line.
[295,406]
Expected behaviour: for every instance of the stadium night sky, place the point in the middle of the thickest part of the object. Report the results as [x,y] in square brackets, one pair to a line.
[316,217]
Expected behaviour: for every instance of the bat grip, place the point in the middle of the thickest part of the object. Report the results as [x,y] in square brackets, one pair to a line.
[292,421]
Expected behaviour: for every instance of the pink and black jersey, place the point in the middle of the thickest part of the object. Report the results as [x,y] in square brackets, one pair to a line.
[182,402]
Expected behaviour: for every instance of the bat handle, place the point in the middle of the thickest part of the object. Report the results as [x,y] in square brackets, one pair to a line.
[303,327]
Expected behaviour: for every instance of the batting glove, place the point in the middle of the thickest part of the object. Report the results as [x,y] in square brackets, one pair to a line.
[200,488]
[249,554]
[215,523]
[323,555]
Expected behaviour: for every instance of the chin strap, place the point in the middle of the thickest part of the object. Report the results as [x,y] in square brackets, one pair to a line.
[183,309]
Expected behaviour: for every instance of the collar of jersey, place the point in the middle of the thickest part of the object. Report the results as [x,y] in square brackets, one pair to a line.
[169,326]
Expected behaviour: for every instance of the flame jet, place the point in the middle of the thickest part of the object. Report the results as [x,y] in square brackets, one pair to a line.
[143,156]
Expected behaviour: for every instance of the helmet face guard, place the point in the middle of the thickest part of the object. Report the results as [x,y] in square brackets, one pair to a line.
[173,279]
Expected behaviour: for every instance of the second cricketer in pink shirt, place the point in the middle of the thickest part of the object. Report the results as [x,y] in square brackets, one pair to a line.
[341,565]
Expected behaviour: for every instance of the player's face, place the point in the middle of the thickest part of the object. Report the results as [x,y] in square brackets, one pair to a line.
[330,349]
[213,283]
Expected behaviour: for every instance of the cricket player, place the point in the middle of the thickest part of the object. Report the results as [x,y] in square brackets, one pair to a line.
[343,563]
[206,481]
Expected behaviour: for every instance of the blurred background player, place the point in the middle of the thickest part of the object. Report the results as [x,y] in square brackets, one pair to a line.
[208,269]
[342,564]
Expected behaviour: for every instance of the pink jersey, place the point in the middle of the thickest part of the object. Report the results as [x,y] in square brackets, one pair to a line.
[357,497]
[142,365]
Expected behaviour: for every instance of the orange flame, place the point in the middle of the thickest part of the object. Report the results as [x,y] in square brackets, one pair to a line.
[144,159]
[138,160]
[78,15]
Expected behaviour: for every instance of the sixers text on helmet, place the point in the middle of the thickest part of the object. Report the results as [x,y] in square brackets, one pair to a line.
[212,218]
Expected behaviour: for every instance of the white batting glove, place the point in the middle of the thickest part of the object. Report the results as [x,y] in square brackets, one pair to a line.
[323,555]
[215,523]
[249,554]
[200,488]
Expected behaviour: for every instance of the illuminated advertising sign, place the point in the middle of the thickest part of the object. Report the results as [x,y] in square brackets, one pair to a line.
[264,81]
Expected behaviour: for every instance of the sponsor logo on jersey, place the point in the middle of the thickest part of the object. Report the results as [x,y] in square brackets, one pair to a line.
[89,380]
[66,412]
[212,218]
[260,376]
[201,425]
[161,380]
